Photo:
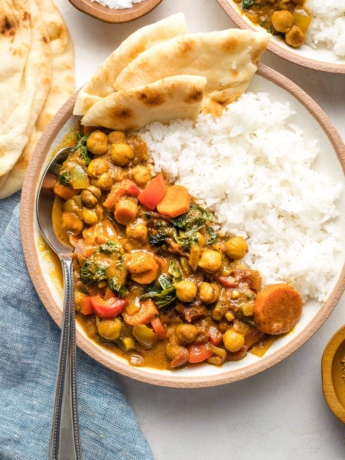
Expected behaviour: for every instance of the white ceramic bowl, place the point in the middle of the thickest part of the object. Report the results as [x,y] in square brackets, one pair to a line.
[319,59]
[42,271]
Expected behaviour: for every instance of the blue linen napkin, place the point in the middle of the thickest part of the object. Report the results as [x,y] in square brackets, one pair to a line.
[28,363]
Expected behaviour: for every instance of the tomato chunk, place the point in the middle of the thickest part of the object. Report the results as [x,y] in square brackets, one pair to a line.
[108,309]
[199,353]
[120,189]
[227,281]
[153,193]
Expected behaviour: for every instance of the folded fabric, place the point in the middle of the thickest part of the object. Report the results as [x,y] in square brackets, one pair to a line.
[28,363]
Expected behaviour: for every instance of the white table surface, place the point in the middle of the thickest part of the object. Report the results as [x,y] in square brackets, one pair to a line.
[280,413]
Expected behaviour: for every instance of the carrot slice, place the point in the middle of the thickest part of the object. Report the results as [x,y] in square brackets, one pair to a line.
[65,192]
[153,192]
[277,309]
[175,202]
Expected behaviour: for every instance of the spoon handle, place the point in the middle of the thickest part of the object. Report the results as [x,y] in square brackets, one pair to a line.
[64,436]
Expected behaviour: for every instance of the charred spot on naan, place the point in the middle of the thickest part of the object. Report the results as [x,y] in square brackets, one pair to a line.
[231,44]
[195,95]
[185,47]
[7,27]
[151,98]
[122,113]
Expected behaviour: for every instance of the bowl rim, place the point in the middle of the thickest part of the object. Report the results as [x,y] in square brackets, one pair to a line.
[115,16]
[27,221]
[327,361]
[274,47]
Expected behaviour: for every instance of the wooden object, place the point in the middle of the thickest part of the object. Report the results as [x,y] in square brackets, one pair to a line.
[115,16]
[305,55]
[333,374]
[201,376]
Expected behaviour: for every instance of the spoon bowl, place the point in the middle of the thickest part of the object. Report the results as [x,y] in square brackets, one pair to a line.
[333,374]
[64,436]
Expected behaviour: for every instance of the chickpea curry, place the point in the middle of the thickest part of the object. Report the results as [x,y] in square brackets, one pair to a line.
[287,18]
[153,279]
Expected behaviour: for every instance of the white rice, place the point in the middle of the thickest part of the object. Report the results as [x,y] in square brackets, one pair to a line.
[117,4]
[327,27]
[253,168]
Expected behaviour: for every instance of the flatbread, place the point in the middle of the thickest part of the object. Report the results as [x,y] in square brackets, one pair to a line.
[16,130]
[166,99]
[228,59]
[15,40]
[61,88]
[101,84]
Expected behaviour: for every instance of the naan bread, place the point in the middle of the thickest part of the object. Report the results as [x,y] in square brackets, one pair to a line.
[16,130]
[228,59]
[61,88]
[101,84]
[15,38]
[166,99]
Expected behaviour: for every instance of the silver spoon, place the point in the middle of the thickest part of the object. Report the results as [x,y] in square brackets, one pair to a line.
[64,436]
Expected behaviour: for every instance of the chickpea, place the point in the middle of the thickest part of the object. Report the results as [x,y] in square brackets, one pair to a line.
[78,297]
[236,248]
[141,175]
[110,329]
[90,216]
[116,137]
[95,191]
[186,333]
[104,181]
[209,292]
[295,37]
[71,223]
[88,198]
[97,167]
[121,154]
[126,211]
[186,290]
[137,232]
[282,20]
[97,143]
[233,341]
[140,262]
[210,261]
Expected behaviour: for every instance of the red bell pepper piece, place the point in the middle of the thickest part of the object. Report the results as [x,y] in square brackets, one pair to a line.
[153,193]
[120,189]
[199,353]
[108,309]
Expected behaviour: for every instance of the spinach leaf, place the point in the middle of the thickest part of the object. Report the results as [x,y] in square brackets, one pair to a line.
[246,4]
[81,146]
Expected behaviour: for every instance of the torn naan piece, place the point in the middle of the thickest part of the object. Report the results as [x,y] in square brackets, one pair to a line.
[16,130]
[15,38]
[101,84]
[164,100]
[62,87]
[228,59]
